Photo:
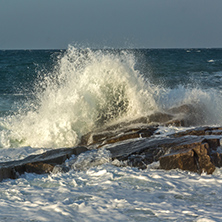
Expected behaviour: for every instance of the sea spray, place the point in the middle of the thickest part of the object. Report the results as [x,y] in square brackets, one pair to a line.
[87,89]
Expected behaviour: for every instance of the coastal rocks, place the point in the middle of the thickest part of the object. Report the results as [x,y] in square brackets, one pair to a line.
[138,143]
[196,154]
[184,115]
[42,163]
[197,150]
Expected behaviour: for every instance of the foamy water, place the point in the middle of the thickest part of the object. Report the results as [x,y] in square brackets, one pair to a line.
[88,89]
[110,193]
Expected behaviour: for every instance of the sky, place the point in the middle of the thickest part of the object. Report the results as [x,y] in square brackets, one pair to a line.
[54,24]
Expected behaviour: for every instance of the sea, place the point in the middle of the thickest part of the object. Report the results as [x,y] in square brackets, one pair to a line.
[50,98]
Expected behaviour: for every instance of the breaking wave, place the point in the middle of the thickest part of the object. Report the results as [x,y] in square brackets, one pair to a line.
[88,89]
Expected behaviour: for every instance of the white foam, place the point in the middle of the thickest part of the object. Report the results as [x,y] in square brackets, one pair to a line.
[86,88]
[108,193]
[90,88]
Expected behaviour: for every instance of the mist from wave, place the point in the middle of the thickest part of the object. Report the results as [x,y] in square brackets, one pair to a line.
[88,89]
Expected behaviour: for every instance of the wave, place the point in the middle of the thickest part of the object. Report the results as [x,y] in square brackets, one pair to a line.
[88,89]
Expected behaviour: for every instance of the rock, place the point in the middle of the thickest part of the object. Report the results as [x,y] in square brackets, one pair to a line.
[137,144]
[38,168]
[195,159]
[216,159]
[192,153]
[153,147]
[182,159]
[160,117]
[42,163]
[192,114]
[184,115]
[114,136]
[200,131]
[203,160]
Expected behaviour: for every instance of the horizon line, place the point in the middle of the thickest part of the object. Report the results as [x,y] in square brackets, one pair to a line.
[109,48]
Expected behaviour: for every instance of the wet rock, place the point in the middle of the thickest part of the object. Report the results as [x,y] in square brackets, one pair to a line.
[107,137]
[42,163]
[202,158]
[195,159]
[182,159]
[152,147]
[139,133]
[216,159]
[200,131]
[192,114]
[138,145]
[192,153]
[160,117]
[38,168]
[184,115]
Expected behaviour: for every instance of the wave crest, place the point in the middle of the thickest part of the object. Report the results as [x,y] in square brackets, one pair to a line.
[88,88]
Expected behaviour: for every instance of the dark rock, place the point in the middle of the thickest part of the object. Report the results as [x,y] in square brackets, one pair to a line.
[38,168]
[160,117]
[192,114]
[139,133]
[42,163]
[214,143]
[192,153]
[200,131]
[155,147]
[216,159]
[195,160]
[204,163]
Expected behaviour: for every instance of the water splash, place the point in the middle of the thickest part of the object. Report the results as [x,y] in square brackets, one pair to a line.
[87,89]
[91,88]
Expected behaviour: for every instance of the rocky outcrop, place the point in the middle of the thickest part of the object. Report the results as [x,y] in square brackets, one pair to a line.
[42,163]
[196,154]
[138,143]
[101,138]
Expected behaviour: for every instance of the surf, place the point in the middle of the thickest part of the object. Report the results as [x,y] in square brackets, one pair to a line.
[86,89]
[89,89]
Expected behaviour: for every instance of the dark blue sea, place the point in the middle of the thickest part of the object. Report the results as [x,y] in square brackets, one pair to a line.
[50,98]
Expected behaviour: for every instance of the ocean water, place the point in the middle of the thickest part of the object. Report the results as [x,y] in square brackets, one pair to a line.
[50,98]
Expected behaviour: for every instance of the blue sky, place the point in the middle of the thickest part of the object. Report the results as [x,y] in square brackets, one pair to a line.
[53,24]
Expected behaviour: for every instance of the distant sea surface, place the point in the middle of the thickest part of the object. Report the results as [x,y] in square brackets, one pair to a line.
[50,98]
